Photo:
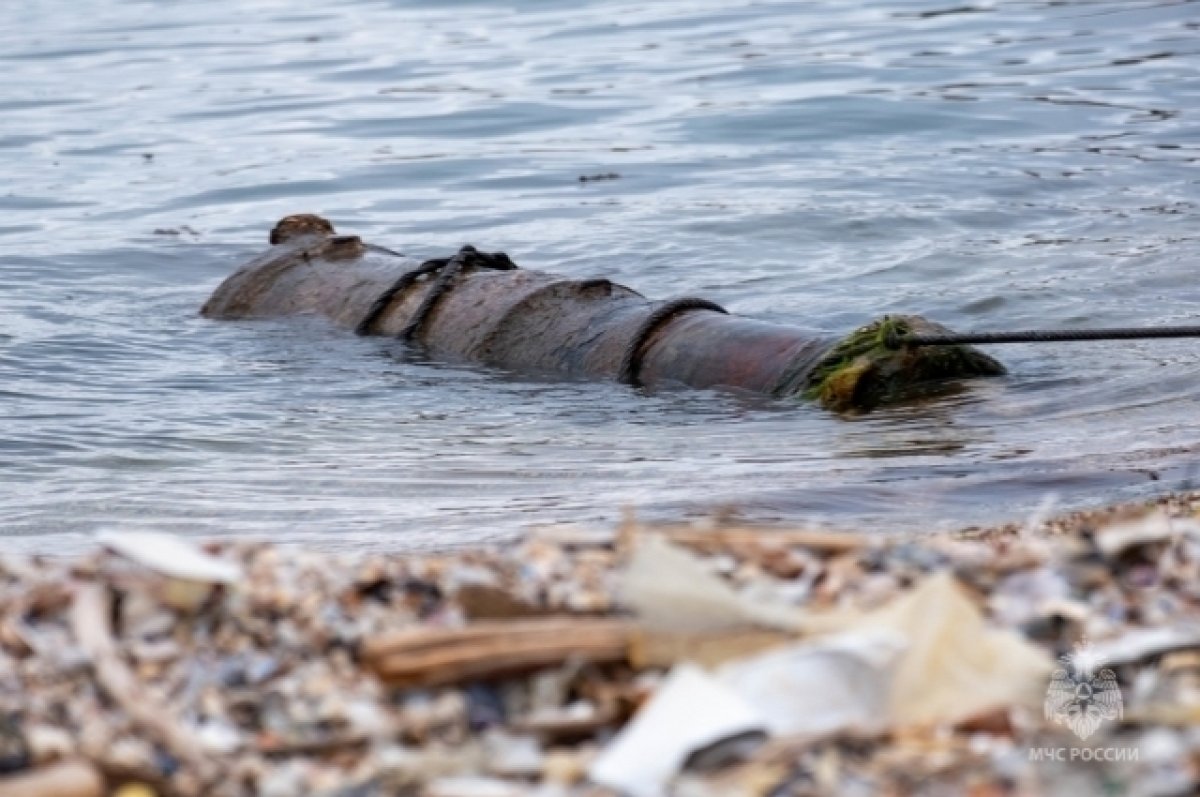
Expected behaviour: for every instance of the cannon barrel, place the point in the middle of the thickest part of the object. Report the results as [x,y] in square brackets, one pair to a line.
[482,308]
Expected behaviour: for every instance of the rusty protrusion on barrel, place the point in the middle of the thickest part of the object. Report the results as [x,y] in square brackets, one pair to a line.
[534,322]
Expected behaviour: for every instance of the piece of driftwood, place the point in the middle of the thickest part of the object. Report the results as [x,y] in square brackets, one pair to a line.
[63,779]
[91,615]
[439,656]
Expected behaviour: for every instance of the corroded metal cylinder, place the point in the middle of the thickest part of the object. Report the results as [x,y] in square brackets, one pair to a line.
[541,323]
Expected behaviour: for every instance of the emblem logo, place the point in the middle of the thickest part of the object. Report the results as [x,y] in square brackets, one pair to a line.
[1083,694]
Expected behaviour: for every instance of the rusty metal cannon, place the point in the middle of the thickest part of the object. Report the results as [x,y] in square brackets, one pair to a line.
[482,308]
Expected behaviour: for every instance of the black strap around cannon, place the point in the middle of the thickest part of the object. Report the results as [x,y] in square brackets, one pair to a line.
[446,268]
[631,362]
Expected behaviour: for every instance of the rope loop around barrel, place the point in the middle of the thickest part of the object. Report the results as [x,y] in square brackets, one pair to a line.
[446,269]
[631,362]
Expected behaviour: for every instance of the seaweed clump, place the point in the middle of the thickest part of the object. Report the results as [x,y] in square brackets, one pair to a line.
[861,372]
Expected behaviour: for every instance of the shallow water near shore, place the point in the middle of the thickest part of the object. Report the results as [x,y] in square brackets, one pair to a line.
[991,166]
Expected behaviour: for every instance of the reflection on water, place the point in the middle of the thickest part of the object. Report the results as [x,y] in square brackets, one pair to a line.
[989,165]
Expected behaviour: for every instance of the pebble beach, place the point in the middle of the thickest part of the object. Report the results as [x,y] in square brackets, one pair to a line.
[709,659]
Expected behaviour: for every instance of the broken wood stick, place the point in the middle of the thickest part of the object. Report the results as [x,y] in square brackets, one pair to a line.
[91,615]
[439,656]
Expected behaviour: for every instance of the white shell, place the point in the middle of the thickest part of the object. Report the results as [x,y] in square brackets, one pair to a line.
[1137,644]
[169,555]
[1116,538]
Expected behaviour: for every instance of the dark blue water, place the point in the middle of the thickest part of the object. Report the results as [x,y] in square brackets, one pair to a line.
[991,165]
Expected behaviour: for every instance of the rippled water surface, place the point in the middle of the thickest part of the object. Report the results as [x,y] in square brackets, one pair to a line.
[994,165]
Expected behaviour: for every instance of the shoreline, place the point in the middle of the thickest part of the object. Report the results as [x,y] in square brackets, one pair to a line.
[684,659]
[1176,503]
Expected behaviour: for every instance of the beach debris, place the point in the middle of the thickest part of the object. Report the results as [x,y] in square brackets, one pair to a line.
[841,682]
[669,588]
[954,665]
[170,555]
[91,623]
[690,710]
[64,779]
[1143,643]
[435,656]
[927,657]
[1153,528]
[674,661]
[188,575]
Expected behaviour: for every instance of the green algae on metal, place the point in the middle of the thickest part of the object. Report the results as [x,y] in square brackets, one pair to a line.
[860,372]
